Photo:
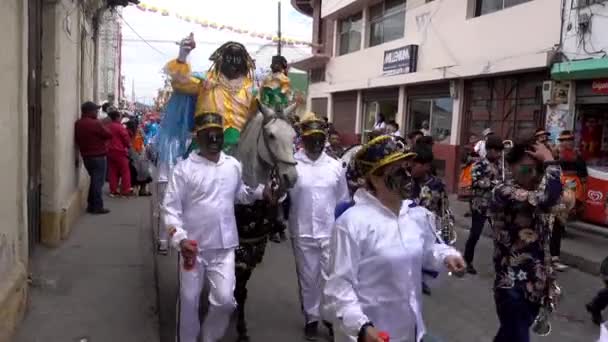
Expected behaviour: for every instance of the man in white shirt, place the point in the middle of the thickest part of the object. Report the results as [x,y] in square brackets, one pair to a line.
[198,211]
[321,185]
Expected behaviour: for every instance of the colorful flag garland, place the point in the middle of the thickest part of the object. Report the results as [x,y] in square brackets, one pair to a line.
[217,26]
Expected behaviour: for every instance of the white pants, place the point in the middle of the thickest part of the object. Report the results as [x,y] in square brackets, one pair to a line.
[217,267]
[312,262]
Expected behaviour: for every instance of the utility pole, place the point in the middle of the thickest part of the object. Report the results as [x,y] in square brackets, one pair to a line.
[279,31]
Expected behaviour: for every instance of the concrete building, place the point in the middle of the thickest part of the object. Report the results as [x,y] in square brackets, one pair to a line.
[109,47]
[48,65]
[459,65]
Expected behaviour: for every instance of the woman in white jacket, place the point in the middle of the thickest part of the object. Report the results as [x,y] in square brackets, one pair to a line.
[380,249]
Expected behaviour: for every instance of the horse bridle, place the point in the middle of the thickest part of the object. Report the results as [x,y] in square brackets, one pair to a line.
[274,176]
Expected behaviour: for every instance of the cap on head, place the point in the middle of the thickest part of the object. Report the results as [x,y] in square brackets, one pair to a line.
[565,135]
[540,132]
[379,152]
[310,124]
[208,120]
[487,131]
[89,106]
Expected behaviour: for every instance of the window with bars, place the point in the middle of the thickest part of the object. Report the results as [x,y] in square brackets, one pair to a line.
[386,21]
[489,6]
[317,75]
[349,30]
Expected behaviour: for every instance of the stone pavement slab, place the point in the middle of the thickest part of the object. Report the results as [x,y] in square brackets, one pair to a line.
[99,284]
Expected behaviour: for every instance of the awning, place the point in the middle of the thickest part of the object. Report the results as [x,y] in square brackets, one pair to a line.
[581,69]
[312,62]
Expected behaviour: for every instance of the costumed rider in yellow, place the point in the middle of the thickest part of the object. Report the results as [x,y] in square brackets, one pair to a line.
[228,87]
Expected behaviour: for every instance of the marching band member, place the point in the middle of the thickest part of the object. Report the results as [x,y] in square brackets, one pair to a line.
[380,234]
[321,185]
[486,175]
[521,219]
[198,211]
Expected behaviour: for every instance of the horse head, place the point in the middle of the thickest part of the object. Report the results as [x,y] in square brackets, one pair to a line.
[275,145]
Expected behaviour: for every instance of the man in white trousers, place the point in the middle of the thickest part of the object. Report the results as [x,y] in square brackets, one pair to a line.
[321,185]
[198,211]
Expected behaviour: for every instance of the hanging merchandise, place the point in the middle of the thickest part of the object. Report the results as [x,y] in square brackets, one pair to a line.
[220,27]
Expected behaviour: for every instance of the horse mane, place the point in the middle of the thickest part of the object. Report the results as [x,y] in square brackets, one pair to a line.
[247,152]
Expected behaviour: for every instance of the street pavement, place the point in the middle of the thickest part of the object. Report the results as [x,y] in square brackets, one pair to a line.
[461,310]
[98,286]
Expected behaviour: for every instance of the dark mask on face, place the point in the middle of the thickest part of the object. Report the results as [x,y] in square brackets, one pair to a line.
[400,181]
[211,140]
[233,64]
[314,143]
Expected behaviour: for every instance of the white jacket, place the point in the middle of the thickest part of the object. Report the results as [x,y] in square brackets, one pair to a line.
[376,268]
[199,201]
[320,186]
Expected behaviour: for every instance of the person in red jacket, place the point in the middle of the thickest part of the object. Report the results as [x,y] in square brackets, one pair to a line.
[91,137]
[118,157]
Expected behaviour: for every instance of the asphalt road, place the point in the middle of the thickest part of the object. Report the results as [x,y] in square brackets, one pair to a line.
[460,310]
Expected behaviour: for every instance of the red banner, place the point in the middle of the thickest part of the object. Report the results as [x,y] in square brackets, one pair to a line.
[600,87]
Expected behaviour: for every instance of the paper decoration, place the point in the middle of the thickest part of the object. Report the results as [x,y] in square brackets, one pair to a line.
[217,26]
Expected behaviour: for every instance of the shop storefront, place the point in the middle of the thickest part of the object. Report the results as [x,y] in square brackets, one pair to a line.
[430,109]
[382,102]
[591,139]
[345,116]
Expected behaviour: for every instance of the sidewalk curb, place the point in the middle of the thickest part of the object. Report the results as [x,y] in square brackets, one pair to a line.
[569,258]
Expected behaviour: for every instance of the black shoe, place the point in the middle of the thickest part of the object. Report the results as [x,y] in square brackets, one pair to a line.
[426,289]
[311,331]
[330,328]
[471,269]
[101,211]
[596,317]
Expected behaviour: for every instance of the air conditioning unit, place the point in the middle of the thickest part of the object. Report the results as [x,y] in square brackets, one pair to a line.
[555,92]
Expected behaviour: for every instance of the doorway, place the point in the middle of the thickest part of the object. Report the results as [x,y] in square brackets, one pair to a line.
[34,121]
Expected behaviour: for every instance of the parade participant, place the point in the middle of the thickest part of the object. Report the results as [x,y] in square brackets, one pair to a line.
[335,149]
[542,136]
[198,211]
[521,220]
[600,301]
[321,185]
[574,178]
[480,147]
[118,157]
[424,128]
[380,234]
[227,88]
[412,138]
[486,175]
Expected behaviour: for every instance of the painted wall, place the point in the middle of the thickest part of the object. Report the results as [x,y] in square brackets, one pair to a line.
[109,36]
[68,79]
[595,40]
[13,163]
[452,44]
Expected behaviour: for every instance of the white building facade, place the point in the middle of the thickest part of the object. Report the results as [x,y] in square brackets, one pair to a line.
[109,49]
[459,65]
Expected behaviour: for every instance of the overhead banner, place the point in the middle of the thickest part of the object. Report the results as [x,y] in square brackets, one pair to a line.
[218,26]
[401,60]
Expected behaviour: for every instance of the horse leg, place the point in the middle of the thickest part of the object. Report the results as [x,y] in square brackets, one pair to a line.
[240,293]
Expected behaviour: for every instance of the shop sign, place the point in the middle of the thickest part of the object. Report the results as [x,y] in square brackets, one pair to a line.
[402,60]
[600,87]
